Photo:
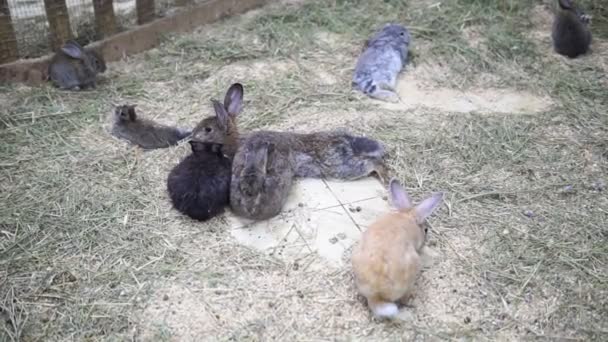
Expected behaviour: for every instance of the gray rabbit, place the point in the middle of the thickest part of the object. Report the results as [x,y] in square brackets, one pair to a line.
[74,68]
[144,133]
[571,34]
[385,55]
[265,162]
[262,175]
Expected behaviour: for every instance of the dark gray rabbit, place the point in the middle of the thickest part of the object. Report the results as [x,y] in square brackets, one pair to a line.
[144,133]
[199,185]
[269,160]
[74,68]
[385,55]
[571,34]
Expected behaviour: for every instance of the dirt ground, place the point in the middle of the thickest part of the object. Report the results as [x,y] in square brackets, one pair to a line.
[515,135]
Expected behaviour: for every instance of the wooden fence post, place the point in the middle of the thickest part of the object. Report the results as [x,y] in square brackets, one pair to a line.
[8,40]
[59,22]
[145,11]
[105,21]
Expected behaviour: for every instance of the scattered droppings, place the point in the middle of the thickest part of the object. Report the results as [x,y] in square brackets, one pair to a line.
[333,240]
[358,209]
[467,320]
[568,190]
[599,185]
[166,297]
[341,236]
[296,266]
[529,213]
[300,204]
[300,294]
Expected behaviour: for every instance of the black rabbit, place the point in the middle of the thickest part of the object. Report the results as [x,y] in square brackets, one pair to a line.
[199,185]
[571,34]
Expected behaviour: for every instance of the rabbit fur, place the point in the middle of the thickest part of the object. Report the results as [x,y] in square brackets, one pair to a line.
[384,57]
[571,34]
[386,261]
[199,185]
[144,133]
[335,154]
[74,68]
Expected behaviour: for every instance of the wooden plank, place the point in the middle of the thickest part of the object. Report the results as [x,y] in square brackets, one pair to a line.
[105,20]
[59,22]
[8,40]
[34,71]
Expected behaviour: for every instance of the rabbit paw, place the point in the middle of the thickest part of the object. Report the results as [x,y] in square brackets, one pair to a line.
[406,300]
[386,95]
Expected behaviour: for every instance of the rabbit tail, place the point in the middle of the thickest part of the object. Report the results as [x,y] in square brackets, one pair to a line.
[373,89]
[383,309]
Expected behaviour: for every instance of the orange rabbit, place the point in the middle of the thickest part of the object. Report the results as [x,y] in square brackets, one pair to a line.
[386,261]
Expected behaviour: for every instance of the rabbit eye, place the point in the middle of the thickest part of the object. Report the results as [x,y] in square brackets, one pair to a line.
[402,33]
[208,129]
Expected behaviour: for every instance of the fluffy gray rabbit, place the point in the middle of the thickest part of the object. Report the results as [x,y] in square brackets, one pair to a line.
[74,68]
[264,162]
[262,175]
[144,133]
[385,55]
[571,34]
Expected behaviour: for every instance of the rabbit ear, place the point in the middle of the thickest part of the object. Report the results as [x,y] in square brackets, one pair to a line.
[261,157]
[73,50]
[221,114]
[399,197]
[565,4]
[426,207]
[233,101]
[131,111]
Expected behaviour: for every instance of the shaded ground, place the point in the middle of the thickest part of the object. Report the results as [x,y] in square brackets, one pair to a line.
[517,136]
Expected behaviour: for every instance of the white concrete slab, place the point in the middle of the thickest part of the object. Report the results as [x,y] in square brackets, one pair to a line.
[321,219]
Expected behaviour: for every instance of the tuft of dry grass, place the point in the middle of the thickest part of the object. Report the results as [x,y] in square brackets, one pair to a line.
[90,248]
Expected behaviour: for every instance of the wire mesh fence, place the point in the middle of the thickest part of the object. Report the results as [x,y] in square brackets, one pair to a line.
[32,28]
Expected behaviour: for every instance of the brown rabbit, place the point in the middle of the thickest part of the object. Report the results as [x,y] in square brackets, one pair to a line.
[145,133]
[262,175]
[262,170]
[386,261]
[334,154]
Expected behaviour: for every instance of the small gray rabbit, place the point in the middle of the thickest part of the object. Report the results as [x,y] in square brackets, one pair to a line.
[144,133]
[385,55]
[74,68]
[571,34]
[265,162]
